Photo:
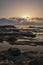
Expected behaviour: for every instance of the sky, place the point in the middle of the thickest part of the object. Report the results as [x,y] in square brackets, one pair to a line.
[21,8]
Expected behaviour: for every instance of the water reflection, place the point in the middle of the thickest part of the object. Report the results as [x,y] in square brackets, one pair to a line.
[24,43]
[5,46]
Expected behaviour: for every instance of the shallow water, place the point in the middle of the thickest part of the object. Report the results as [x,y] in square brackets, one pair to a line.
[5,45]
[23,48]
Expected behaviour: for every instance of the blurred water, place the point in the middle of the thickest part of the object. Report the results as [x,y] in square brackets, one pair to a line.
[5,45]
[23,48]
[27,26]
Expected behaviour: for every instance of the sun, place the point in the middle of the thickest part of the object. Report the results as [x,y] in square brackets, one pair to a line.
[25,16]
